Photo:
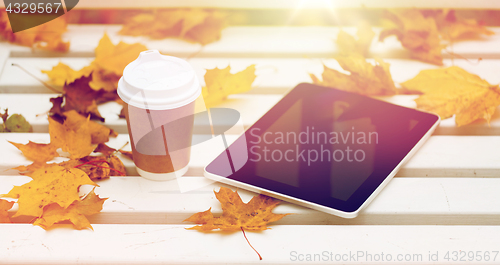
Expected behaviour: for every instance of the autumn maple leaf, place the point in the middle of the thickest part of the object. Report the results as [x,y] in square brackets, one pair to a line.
[4,207]
[220,83]
[237,215]
[74,138]
[416,33]
[452,27]
[365,78]
[454,91]
[76,212]
[105,71]
[46,36]
[193,25]
[54,184]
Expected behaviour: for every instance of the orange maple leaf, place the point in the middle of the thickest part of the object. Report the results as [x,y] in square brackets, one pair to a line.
[237,215]
[220,83]
[454,91]
[53,184]
[364,78]
[4,207]
[71,137]
[452,27]
[76,212]
[416,33]
[46,36]
[193,25]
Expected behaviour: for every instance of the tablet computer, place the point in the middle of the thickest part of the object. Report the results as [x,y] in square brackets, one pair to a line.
[324,148]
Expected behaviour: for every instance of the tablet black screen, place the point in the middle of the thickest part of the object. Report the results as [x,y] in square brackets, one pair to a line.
[325,146]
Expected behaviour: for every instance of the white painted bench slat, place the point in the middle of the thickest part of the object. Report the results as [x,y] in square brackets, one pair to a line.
[415,201]
[172,244]
[34,107]
[440,156]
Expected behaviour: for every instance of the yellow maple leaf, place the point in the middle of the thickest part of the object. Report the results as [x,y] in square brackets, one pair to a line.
[76,141]
[193,25]
[37,152]
[76,212]
[47,36]
[106,69]
[453,90]
[220,83]
[416,33]
[53,184]
[4,207]
[364,78]
[113,58]
[237,215]
[348,44]
[98,132]
[62,74]
[452,27]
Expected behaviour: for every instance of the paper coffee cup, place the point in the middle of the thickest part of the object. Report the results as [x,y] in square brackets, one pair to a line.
[159,92]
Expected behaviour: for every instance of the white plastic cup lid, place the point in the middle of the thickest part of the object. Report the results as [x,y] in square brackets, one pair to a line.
[158,82]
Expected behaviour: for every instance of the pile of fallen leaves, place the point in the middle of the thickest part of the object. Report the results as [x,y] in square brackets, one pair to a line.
[14,123]
[52,196]
[426,33]
[446,91]
[47,36]
[83,90]
[96,83]
[193,25]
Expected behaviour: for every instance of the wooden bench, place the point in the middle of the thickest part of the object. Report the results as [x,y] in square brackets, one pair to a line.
[446,200]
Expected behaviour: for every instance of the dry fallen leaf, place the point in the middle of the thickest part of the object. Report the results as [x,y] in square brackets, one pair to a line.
[76,141]
[96,167]
[348,44]
[113,58]
[62,74]
[416,33]
[365,78]
[37,152]
[4,214]
[237,215]
[46,36]
[193,25]
[98,132]
[452,27]
[76,212]
[220,83]
[54,184]
[453,90]
[106,69]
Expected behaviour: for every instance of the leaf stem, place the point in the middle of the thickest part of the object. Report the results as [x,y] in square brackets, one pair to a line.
[260,257]
[39,80]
